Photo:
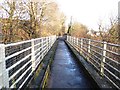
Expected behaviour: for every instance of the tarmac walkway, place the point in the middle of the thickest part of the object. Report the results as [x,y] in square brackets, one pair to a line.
[65,71]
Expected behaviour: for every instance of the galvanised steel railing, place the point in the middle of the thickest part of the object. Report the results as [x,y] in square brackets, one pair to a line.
[103,56]
[19,60]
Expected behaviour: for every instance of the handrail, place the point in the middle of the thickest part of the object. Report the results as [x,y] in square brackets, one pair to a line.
[107,61]
[18,60]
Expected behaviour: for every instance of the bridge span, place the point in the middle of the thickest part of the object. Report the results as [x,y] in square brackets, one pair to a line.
[52,62]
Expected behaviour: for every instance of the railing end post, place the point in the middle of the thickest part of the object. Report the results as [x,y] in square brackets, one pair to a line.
[4,80]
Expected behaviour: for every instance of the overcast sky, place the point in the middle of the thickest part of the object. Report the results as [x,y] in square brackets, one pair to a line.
[89,12]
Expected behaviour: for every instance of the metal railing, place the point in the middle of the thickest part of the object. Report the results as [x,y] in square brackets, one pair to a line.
[19,60]
[103,56]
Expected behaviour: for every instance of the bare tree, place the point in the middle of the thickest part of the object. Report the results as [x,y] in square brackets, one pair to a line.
[37,16]
[114,31]
[111,33]
[9,8]
[27,19]
[79,30]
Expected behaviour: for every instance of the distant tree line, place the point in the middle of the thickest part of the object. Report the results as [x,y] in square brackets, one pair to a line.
[110,34]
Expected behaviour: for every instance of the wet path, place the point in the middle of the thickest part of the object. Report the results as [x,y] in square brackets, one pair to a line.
[65,72]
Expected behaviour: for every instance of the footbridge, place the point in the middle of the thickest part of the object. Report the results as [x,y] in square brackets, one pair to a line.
[60,62]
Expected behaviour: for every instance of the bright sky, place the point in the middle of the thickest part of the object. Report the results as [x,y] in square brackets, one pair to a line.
[89,12]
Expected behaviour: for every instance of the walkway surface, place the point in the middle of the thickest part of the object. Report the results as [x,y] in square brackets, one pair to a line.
[65,72]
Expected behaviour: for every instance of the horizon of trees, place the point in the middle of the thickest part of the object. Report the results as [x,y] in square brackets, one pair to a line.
[110,34]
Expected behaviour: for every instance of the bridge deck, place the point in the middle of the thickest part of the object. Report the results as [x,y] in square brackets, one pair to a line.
[65,72]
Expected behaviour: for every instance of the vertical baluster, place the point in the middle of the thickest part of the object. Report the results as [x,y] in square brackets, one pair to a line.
[103,58]
[33,55]
[81,43]
[89,42]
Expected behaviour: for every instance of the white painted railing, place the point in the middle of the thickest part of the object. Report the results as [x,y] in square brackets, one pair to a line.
[103,56]
[19,60]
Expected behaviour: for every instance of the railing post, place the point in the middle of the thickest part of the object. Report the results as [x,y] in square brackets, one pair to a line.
[74,41]
[55,39]
[4,79]
[71,40]
[77,44]
[42,44]
[77,41]
[33,55]
[49,42]
[81,43]
[89,42]
[67,38]
[103,58]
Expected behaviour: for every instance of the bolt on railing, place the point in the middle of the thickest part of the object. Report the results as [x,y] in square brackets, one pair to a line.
[19,60]
[103,56]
